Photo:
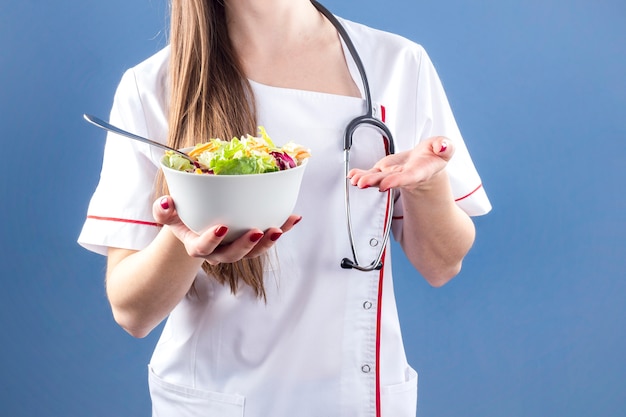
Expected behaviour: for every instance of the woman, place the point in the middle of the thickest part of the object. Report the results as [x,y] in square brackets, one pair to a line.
[287,331]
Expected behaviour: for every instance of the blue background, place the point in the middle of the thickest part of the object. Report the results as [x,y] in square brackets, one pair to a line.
[533,326]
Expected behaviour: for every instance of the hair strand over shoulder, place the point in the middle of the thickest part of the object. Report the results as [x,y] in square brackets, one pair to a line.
[210,97]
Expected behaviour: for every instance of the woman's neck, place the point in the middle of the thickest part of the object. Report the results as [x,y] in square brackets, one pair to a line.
[290,44]
[271,25]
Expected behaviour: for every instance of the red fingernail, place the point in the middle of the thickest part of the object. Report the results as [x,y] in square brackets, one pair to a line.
[255,237]
[297,221]
[444,146]
[221,231]
[274,237]
[164,203]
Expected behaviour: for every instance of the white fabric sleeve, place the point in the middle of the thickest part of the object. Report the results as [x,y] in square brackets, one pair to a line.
[434,117]
[120,210]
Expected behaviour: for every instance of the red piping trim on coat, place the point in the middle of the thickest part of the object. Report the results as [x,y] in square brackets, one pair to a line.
[383,113]
[114,219]
[457,200]
[379,311]
[379,314]
[467,195]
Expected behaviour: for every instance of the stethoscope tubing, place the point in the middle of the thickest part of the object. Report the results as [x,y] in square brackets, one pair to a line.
[367,119]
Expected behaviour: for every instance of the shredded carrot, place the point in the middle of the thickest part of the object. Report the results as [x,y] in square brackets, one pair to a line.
[208,146]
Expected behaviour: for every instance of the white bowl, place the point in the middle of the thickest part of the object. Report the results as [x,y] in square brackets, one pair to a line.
[240,202]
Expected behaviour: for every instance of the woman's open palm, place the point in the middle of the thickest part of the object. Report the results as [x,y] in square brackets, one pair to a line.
[406,170]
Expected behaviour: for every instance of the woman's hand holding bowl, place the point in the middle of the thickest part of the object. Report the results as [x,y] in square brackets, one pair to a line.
[208,244]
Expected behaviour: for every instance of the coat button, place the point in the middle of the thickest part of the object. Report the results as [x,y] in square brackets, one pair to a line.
[366,368]
[373,242]
[367,305]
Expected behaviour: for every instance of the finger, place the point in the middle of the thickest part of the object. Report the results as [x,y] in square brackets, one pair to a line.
[198,246]
[164,211]
[237,249]
[393,181]
[443,147]
[251,244]
[364,178]
[354,175]
[205,244]
[290,223]
[372,179]
[272,235]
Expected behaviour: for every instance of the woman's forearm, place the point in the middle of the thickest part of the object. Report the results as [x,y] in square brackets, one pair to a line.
[436,233]
[143,287]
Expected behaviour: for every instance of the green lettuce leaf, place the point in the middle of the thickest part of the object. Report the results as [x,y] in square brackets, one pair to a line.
[234,158]
[175,161]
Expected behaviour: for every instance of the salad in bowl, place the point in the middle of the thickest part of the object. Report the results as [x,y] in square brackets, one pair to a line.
[243,183]
[239,156]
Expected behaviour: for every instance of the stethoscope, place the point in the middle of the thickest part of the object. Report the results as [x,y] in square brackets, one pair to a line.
[365,120]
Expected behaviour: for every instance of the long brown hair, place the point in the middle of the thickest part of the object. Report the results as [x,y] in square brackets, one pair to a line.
[210,98]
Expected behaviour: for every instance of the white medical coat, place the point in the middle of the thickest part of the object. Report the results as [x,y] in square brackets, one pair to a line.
[328,341]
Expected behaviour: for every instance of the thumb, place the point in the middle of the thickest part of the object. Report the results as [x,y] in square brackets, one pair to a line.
[164,212]
[443,147]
